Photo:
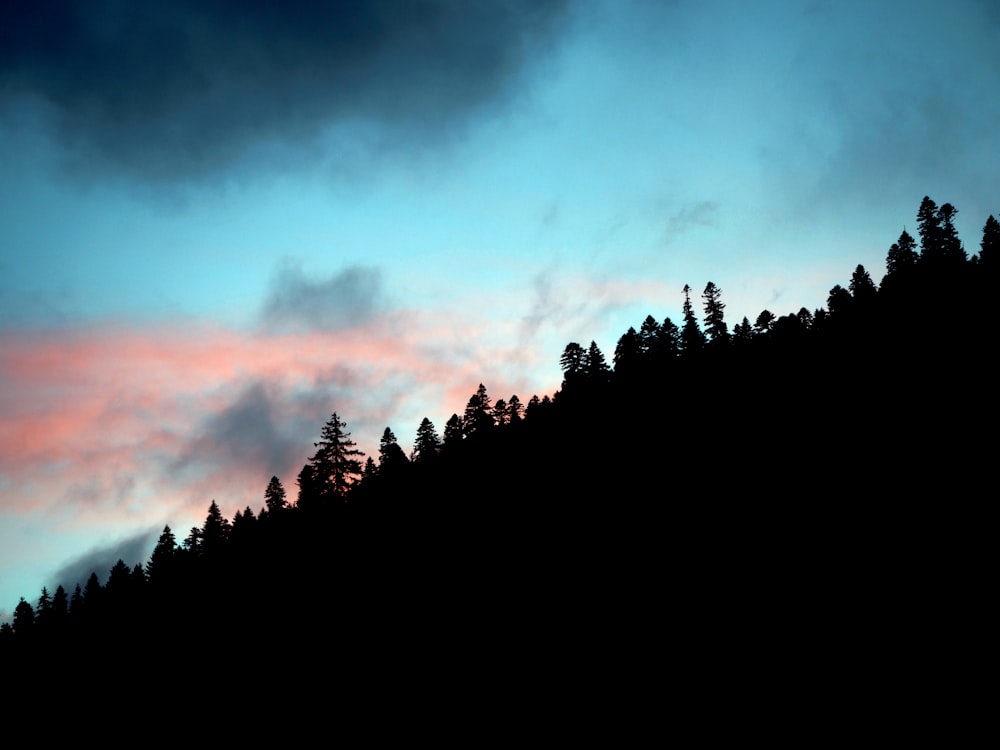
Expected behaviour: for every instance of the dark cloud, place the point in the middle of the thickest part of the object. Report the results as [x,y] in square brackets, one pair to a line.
[246,433]
[183,88]
[132,550]
[348,298]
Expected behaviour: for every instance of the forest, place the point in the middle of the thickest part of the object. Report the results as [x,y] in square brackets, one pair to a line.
[703,471]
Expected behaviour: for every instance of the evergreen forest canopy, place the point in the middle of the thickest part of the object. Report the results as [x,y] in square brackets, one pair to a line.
[855,424]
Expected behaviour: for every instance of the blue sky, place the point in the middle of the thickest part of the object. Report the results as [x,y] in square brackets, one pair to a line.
[219,224]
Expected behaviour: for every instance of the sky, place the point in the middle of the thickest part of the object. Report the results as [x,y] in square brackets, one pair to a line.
[220,223]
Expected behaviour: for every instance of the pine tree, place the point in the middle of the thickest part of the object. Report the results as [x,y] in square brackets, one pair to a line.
[454,431]
[669,343]
[929,229]
[274,496]
[336,463]
[501,416]
[478,415]
[162,559]
[951,246]
[308,492]
[572,362]
[902,257]
[427,444]
[60,606]
[764,322]
[692,338]
[515,410]
[24,619]
[989,255]
[596,366]
[649,335]
[391,457]
[715,323]
[862,287]
[215,531]
[742,332]
[627,352]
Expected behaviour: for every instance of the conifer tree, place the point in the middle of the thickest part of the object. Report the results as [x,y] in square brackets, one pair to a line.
[162,559]
[929,229]
[764,323]
[692,338]
[453,432]
[572,362]
[24,619]
[595,365]
[649,335]
[901,258]
[391,457]
[478,415]
[715,322]
[336,463]
[742,332]
[215,531]
[427,444]
[989,254]
[951,246]
[501,416]
[274,496]
[515,410]
[626,352]
[669,342]
[862,287]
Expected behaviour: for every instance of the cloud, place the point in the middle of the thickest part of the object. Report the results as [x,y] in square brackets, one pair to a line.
[193,86]
[346,299]
[701,214]
[244,433]
[132,550]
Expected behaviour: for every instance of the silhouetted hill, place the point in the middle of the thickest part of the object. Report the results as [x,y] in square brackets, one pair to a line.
[814,484]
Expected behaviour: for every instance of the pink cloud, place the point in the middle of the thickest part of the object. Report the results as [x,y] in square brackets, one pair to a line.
[118,421]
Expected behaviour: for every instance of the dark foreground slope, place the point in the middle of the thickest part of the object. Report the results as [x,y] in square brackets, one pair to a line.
[812,499]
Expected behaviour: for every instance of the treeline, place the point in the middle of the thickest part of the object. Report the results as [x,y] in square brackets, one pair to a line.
[694,444]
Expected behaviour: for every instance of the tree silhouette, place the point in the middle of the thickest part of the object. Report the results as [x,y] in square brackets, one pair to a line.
[929,229]
[478,415]
[391,458]
[715,322]
[163,556]
[274,496]
[951,245]
[427,444]
[453,432]
[572,361]
[765,320]
[692,338]
[596,366]
[24,619]
[336,463]
[989,254]
[627,353]
[649,335]
[515,410]
[215,531]
[743,332]
[862,287]
[902,257]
